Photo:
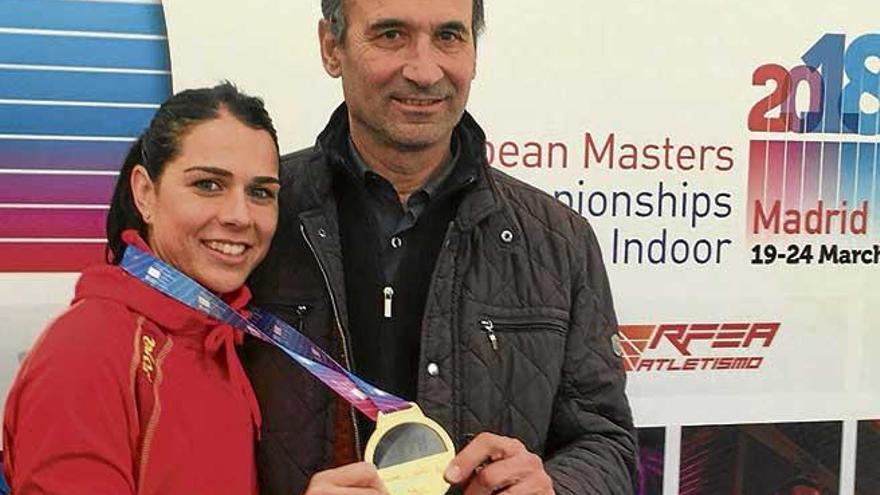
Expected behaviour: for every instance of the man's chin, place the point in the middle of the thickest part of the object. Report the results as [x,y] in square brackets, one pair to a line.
[418,137]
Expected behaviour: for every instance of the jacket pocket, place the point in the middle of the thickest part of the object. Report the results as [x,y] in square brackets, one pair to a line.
[511,370]
[498,329]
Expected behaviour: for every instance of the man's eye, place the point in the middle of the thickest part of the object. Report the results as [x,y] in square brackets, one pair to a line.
[391,35]
[207,185]
[450,36]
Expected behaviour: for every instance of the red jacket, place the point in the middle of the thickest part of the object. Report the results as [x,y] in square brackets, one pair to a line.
[131,392]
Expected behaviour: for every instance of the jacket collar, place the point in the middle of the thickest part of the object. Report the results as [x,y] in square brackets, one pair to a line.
[316,189]
[175,318]
[113,283]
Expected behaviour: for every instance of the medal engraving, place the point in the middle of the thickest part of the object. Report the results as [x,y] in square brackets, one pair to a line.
[411,452]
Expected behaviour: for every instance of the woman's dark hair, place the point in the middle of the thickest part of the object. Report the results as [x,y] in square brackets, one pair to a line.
[160,143]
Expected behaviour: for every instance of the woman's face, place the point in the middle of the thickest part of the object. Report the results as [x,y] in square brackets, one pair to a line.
[213,210]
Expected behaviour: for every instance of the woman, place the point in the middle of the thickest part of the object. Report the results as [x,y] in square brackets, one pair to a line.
[130,391]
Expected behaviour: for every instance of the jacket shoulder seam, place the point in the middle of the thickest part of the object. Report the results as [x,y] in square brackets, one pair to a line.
[511,183]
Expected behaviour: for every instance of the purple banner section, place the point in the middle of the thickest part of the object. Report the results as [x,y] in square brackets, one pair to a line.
[794,166]
[865,179]
[52,224]
[830,172]
[812,173]
[56,189]
[31,154]
[847,188]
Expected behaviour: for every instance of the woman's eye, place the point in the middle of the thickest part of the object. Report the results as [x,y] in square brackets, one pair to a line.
[262,193]
[207,185]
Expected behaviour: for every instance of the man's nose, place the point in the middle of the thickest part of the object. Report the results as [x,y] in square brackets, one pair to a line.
[422,66]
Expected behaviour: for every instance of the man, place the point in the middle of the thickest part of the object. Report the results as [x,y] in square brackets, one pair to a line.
[436,278]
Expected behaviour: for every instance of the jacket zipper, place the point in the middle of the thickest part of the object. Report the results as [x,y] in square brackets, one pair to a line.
[301,311]
[345,355]
[388,296]
[489,327]
[493,327]
[457,369]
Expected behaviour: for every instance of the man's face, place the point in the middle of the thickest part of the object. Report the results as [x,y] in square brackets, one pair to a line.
[406,68]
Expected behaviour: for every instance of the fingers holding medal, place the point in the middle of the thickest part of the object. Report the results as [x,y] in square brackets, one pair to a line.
[360,478]
[493,464]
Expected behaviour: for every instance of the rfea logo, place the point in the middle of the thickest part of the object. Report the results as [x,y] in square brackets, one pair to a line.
[692,347]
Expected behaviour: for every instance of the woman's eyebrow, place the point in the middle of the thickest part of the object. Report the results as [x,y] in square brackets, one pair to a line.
[211,170]
[262,179]
[266,180]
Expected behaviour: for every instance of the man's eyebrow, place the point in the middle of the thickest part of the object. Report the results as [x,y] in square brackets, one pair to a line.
[453,25]
[390,23]
[211,170]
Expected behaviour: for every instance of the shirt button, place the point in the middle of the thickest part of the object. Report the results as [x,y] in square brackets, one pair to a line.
[433,369]
[396,242]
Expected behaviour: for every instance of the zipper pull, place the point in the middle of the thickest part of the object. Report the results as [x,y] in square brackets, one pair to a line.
[301,311]
[489,327]
[388,295]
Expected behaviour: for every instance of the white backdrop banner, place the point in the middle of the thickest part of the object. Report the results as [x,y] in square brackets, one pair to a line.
[726,153]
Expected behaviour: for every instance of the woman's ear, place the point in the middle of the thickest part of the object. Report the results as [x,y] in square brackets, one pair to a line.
[143,192]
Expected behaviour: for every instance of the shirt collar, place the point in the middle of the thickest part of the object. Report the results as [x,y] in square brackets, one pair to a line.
[359,168]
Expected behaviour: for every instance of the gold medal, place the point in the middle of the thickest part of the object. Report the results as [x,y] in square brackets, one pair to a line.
[411,452]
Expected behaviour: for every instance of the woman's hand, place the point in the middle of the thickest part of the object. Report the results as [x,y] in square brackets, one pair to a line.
[360,478]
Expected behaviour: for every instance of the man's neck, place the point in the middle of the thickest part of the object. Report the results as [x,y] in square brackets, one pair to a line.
[406,169]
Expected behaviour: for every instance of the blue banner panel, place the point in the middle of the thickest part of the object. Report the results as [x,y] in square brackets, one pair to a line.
[83,16]
[73,121]
[84,51]
[83,86]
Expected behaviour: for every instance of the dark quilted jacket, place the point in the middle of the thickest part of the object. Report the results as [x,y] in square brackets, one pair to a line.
[514,257]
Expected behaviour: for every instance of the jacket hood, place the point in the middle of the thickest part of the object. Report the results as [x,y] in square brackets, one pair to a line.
[112,283]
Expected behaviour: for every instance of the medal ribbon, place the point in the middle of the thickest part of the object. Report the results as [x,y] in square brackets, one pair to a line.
[265,326]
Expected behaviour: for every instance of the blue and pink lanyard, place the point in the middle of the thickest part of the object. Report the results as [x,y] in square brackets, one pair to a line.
[265,326]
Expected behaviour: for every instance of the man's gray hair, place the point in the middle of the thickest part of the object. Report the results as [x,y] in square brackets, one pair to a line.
[332,11]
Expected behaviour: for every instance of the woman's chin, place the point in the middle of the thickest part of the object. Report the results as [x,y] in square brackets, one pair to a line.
[221,283]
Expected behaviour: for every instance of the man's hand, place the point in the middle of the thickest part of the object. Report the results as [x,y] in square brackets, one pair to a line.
[353,479]
[493,464]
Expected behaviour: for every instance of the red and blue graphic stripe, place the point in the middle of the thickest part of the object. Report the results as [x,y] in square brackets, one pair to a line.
[79,81]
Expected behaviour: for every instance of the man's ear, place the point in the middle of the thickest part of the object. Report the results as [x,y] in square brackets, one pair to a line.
[143,192]
[329,49]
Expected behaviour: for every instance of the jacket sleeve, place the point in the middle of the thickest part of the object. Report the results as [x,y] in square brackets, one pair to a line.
[591,447]
[68,415]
